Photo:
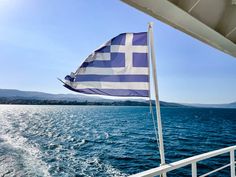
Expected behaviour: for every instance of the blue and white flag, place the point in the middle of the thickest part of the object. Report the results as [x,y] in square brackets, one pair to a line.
[117,68]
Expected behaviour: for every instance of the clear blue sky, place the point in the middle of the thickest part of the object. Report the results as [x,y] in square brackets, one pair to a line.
[41,40]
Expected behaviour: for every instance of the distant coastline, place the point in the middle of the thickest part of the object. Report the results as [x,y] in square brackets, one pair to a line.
[64,102]
[18,101]
[12,96]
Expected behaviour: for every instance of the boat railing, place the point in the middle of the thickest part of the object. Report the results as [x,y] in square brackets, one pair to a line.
[164,169]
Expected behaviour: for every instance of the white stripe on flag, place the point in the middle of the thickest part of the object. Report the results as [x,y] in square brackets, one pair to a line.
[113,71]
[99,56]
[125,49]
[109,85]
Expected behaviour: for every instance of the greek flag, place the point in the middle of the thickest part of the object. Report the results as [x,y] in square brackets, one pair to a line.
[118,68]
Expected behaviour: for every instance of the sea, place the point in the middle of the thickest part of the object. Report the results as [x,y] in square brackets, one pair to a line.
[89,141]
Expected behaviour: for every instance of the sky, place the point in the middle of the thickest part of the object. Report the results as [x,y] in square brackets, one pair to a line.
[41,40]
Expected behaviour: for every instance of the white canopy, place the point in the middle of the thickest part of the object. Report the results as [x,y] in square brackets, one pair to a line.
[211,21]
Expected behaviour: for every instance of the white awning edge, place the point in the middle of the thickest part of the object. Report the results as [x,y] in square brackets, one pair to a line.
[174,16]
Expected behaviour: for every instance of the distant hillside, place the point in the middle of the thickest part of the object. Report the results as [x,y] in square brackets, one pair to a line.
[10,96]
[227,105]
[232,105]
[18,94]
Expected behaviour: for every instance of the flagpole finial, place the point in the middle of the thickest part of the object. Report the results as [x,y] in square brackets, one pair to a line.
[150,24]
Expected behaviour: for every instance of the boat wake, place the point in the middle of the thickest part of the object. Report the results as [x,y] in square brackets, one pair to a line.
[92,165]
[17,155]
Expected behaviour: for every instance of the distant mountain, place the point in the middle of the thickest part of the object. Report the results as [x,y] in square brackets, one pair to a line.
[11,96]
[232,105]
[18,94]
[227,105]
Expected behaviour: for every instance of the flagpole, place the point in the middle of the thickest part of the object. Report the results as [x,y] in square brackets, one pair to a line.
[158,111]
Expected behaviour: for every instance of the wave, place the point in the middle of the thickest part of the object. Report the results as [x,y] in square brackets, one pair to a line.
[106,135]
[30,153]
[95,164]
[81,143]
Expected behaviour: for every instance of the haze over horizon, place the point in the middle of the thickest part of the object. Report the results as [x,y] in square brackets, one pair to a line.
[43,40]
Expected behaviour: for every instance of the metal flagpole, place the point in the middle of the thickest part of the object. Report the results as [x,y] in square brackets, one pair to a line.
[150,99]
[158,111]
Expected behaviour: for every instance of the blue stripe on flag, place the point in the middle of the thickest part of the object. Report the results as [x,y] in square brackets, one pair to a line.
[69,78]
[119,40]
[140,60]
[117,60]
[140,38]
[104,49]
[112,78]
[112,92]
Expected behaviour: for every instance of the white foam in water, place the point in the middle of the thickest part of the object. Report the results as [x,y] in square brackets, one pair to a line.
[95,164]
[31,154]
[67,163]
[113,171]
[82,142]
[106,135]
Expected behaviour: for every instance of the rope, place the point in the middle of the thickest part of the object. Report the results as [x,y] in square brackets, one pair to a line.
[153,119]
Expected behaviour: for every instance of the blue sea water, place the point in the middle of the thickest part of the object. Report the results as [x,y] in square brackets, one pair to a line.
[69,141]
